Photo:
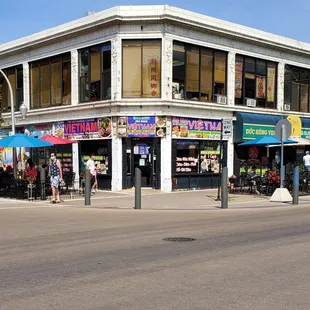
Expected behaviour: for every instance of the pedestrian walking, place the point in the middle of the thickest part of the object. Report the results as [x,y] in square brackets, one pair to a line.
[56,178]
[90,165]
[306,160]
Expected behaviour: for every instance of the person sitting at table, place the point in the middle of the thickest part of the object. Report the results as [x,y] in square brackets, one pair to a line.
[31,171]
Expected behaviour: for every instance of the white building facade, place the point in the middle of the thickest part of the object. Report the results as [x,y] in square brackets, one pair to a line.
[148,87]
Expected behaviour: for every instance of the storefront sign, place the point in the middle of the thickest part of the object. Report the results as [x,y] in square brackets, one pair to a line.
[84,129]
[196,128]
[253,131]
[142,126]
[39,131]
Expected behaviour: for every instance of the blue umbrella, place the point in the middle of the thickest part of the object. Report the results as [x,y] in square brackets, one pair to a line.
[22,140]
[266,140]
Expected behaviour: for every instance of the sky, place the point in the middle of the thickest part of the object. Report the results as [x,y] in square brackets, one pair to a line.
[288,18]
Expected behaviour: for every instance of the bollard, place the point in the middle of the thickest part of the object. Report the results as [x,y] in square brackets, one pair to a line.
[137,188]
[87,188]
[43,182]
[224,182]
[296,186]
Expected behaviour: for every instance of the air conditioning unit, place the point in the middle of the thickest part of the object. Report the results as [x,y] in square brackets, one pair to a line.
[250,102]
[221,99]
[287,107]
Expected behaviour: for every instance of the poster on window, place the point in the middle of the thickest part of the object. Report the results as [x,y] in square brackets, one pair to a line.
[260,87]
[238,79]
[271,84]
[151,72]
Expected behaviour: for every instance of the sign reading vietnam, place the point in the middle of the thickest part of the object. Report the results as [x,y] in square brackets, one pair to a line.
[195,128]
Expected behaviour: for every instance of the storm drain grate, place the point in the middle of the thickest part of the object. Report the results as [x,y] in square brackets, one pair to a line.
[179,239]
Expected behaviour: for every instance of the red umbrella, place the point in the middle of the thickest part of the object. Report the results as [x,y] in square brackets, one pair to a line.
[57,140]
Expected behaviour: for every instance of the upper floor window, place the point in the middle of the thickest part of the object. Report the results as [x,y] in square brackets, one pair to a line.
[296,88]
[50,82]
[95,73]
[199,73]
[15,76]
[255,79]
[142,68]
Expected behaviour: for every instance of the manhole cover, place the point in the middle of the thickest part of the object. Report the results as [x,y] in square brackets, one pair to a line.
[179,239]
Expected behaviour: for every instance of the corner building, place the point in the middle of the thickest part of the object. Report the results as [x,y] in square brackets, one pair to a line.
[148,87]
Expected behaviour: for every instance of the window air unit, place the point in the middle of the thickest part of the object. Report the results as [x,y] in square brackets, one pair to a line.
[250,102]
[287,107]
[221,99]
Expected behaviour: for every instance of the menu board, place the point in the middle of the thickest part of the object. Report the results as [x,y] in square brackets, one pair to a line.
[186,164]
[96,128]
[142,126]
[66,161]
[196,128]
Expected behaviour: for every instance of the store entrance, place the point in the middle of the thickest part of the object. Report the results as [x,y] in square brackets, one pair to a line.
[142,158]
[144,154]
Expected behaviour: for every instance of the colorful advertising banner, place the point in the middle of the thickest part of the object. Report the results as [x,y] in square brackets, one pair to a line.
[142,126]
[39,131]
[238,79]
[84,129]
[260,87]
[195,128]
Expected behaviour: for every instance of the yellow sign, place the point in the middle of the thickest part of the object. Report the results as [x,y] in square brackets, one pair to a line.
[296,125]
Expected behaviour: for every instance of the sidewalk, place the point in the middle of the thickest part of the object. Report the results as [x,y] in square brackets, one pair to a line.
[184,200]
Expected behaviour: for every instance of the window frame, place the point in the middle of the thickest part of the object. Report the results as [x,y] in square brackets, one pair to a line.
[102,72]
[213,52]
[269,64]
[40,63]
[141,41]
[17,91]
[291,68]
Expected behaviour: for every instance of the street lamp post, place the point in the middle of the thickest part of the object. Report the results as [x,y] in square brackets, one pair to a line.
[23,110]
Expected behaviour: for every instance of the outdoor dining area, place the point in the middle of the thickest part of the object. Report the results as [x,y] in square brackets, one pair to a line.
[33,182]
[260,174]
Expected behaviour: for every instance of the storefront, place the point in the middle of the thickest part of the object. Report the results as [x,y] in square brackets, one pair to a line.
[141,140]
[94,137]
[195,153]
[251,126]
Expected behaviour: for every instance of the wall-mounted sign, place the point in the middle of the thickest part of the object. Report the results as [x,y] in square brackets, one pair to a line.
[195,128]
[142,126]
[39,131]
[96,128]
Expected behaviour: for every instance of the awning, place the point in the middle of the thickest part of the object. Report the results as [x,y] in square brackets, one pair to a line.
[251,126]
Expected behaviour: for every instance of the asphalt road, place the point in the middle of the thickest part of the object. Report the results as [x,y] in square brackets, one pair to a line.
[73,258]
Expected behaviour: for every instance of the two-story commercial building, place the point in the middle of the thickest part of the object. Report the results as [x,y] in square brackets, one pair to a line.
[148,87]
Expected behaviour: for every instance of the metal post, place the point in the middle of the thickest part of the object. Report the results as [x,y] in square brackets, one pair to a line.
[12,120]
[296,186]
[43,182]
[87,187]
[137,188]
[224,198]
[220,166]
[282,155]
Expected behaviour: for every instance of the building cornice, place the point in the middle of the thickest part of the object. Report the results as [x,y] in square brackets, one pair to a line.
[153,14]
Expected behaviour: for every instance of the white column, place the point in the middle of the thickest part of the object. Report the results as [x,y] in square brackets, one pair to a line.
[75,160]
[166,160]
[116,69]
[166,70]
[74,77]
[231,59]
[117,164]
[280,86]
[26,84]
